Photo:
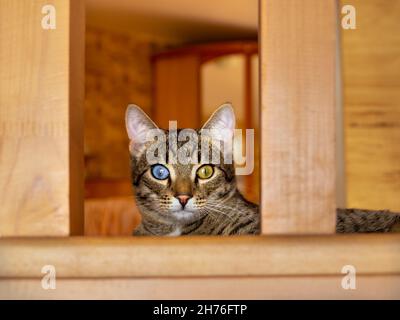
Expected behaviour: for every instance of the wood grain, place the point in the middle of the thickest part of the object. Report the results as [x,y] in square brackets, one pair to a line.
[221,288]
[88,257]
[41,93]
[371,75]
[298,67]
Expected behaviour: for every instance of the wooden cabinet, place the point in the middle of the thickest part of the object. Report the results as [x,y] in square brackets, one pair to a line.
[191,82]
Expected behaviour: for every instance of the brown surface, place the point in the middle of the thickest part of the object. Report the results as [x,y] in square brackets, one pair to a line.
[41,95]
[76,121]
[114,216]
[103,188]
[298,112]
[209,51]
[176,94]
[371,75]
[110,208]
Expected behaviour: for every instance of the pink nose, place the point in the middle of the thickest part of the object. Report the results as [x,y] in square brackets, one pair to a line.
[183,199]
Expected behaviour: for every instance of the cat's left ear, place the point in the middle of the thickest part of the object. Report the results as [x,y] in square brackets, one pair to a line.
[138,125]
[222,123]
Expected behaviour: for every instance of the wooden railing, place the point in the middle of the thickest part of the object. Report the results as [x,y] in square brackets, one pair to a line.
[41,177]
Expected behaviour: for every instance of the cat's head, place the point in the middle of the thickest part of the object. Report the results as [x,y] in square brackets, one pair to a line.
[172,190]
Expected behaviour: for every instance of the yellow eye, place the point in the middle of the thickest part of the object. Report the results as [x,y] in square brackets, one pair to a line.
[205,171]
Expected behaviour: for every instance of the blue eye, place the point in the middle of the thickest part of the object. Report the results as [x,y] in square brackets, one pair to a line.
[160,172]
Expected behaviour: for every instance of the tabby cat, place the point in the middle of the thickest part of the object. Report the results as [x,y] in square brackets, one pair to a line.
[202,198]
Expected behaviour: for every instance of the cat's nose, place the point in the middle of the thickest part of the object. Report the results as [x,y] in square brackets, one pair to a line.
[183,199]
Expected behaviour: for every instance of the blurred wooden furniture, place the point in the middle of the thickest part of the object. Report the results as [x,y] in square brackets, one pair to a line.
[112,216]
[177,90]
[178,93]
[41,119]
[103,188]
[110,208]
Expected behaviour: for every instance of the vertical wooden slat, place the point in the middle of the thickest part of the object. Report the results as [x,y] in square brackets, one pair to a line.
[371,96]
[341,190]
[248,113]
[298,48]
[41,95]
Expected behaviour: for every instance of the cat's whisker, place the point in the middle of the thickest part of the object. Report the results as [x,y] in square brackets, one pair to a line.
[220,213]
[235,210]
[222,207]
[213,215]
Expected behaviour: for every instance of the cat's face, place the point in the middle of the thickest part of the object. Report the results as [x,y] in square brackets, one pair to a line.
[181,191]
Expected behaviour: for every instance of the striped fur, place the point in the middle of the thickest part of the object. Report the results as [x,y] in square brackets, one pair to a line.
[238,217]
[359,220]
[217,207]
[246,220]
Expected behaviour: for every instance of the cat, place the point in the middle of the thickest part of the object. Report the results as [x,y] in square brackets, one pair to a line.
[202,198]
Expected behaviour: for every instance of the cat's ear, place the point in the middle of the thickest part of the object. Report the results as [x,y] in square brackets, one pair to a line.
[138,124]
[222,123]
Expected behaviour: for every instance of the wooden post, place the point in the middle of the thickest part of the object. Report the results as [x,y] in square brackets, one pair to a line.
[41,106]
[298,68]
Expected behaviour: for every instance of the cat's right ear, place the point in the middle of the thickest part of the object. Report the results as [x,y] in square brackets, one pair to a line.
[138,125]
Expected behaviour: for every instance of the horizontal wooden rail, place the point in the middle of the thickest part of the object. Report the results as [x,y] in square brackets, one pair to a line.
[374,254]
